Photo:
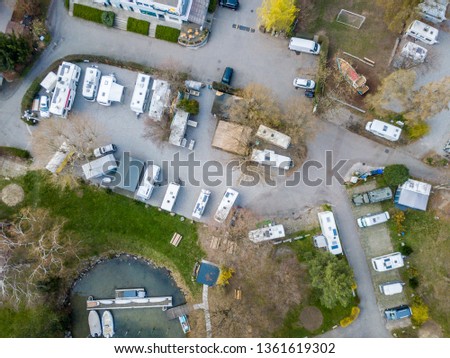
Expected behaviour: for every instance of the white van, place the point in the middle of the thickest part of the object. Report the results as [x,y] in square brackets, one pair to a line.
[423,32]
[391,288]
[149,179]
[373,219]
[302,45]
[384,130]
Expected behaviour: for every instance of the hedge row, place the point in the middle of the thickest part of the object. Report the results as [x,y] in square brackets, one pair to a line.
[138,26]
[222,87]
[167,33]
[212,6]
[322,71]
[14,152]
[87,13]
[353,316]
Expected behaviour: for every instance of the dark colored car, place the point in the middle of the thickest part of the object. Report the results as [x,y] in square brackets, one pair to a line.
[227,75]
[309,94]
[231,4]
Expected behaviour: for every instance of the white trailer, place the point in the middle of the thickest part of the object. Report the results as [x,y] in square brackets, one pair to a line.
[59,159]
[226,205]
[141,92]
[49,82]
[150,177]
[423,32]
[388,262]
[65,89]
[91,82]
[330,232]
[200,205]
[100,167]
[170,197]
[267,233]
[269,157]
[384,130]
[109,91]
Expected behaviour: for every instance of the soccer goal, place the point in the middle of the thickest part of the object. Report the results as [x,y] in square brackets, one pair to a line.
[350,19]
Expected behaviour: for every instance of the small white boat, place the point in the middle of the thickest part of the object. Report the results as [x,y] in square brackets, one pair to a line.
[184,324]
[95,326]
[107,324]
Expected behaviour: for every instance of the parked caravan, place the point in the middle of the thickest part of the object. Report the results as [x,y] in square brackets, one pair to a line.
[423,32]
[170,197]
[373,219]
[330,232]
[384,130]
[91,83]
[388,262]
[302,45]
[150,177]
[65,89]
[391,288]
[226,205]
[109,91]
[141,93]
[200,205]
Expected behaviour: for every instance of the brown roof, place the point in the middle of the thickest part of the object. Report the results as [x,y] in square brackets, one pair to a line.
[232,137]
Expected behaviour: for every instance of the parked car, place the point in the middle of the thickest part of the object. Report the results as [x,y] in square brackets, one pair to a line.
[44,106]
[310,93]
[399,312]
[110,148]
[231,4]
[304,83]
[227,75]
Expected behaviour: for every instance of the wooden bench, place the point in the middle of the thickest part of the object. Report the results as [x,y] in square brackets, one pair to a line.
[176,239]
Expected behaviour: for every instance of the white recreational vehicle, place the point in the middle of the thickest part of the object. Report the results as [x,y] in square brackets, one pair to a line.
[49,82]
[150,177]
[384,130]
[200,205]
[423,32]
[140,94]
[330,233]
[433,11]
[65,89]
[91,83]
[226,205]
[388,262]
[100,167]
[271,232]
[269,157]
[302,45]
[170,197]
[391,288]
[109,91]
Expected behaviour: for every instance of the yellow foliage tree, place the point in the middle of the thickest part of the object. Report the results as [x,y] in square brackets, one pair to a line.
[225,274]
[419,312]
[277,15]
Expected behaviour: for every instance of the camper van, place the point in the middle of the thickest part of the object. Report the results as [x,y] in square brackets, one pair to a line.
[373,219]
[388,262]
[91,83]
[384,130]
[170,197]
[150,177]
[423,32]
[200,205]
[391,288]
[302,45]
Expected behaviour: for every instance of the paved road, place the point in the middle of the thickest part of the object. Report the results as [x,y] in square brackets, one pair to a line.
[254,57]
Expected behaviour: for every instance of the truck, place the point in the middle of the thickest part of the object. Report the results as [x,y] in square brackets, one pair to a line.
[372,196]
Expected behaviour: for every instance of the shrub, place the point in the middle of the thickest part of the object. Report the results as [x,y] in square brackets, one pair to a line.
[419,311]
[406,250]
[189,105]
[138,26]
[222,87]
[67,4]
[322,72]
[399,219]
[396,174]
[88,13]
[167,33]
[212,6]
[14,152]
[353,316]
[108,18]
[417,130]
[225,275]
[413,282]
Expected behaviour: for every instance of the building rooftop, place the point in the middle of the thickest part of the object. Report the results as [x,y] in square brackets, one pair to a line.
[232,137]
[208,273]
[178,127]
[160,99]
[413,194]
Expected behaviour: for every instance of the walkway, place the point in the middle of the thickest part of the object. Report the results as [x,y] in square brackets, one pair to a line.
[205,307]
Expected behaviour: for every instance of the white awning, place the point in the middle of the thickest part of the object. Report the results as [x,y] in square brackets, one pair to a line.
[116,92]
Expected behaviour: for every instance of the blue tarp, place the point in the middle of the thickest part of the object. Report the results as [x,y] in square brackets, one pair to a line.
[208,273]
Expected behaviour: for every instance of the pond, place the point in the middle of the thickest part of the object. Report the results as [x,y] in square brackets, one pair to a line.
[127,272]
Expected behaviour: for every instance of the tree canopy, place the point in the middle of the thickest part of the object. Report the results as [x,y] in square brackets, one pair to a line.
[397,13]
[333,278]
[278,15]
[396,174]
[14,50]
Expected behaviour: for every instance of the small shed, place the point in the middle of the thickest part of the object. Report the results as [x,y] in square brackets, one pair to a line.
[413,194]
[208,273]
[232,137]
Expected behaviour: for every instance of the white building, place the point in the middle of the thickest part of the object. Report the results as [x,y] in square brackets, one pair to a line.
[170,197]
[388,262]
[226,205]
[91,82]
[49,82]
[433,11]
[272,136]
[423,32]
[109,91]
[65,89]
[384,130]
[413,194]
[150,177]
[59,159]
[269,157]
[414,52]
[200,205]
[267,233]
[160,99]
[330,232]
[99,167]
[178,128]
[140,93]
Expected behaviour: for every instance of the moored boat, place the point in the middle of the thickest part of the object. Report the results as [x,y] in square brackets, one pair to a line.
[95,327]
[357,81]
[184,324]
[107,324]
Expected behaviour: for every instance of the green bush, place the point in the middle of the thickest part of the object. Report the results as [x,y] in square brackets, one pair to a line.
[189,105]
[138,26]
[212,6]
[222,87]
[413,282]
[406,250]
[14,152]
[167,33]
[417,130]
[88,13]
[321,76]
[108,18]
[396,174]
[67,4]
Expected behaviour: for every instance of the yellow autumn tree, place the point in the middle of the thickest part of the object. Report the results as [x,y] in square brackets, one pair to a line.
[277,15]
[225,274]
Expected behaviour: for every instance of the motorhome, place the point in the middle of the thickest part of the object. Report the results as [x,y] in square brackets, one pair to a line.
[302,45]
[373,219]
[270,158]
[141,92]
[423,32]
[149,179]
[388,262]
[391,288]
[384,130]
[91,82]
[65,89]
[226,205]
[372,196]
[170,197]
[200,205]
[267,233]
[109,91]
[330,232]
[49,82]
[100,167]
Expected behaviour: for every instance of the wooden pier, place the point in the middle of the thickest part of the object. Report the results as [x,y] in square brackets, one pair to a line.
[178,311]
[121,303]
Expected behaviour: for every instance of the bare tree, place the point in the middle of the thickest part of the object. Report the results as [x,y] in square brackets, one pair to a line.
[171,72]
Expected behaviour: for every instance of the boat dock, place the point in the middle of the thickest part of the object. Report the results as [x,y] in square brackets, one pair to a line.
[178,311]
[123,303]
